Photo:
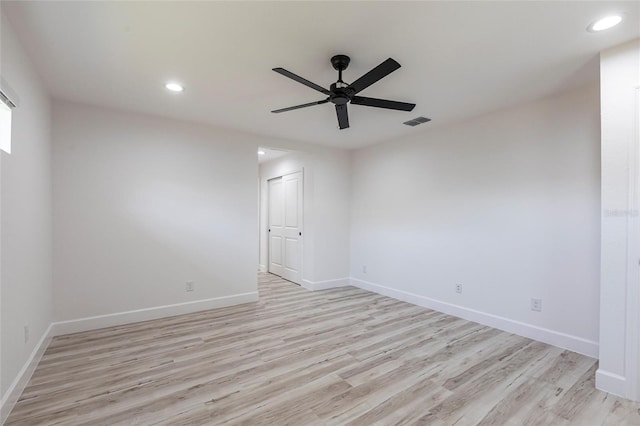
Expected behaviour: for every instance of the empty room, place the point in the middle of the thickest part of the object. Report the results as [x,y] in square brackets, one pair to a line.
[320,213]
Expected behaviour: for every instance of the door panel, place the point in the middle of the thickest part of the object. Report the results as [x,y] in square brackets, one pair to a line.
[276,250]
[292,261]
[291,203]
[275,202]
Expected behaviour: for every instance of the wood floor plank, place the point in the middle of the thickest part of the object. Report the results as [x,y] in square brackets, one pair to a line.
[333,357]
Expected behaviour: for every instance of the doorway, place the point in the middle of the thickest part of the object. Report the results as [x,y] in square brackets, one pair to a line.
[284,224]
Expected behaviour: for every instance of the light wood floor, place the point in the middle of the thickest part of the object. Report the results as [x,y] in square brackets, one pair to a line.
[342,356]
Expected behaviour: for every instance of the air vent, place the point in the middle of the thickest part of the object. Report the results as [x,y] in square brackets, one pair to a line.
[416,121]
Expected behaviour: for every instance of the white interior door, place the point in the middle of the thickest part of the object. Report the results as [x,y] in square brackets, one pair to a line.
[285,227]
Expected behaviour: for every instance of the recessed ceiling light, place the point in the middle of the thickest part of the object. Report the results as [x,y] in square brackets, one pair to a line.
[174,87]
[605,23]
[261,152]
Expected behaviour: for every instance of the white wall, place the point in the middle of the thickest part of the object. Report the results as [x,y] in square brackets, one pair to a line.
[326,211]
[26,283]
[506,204]
[144,204]
[620,284]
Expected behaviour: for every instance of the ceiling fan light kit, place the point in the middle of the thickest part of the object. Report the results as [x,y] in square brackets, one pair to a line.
[340,93]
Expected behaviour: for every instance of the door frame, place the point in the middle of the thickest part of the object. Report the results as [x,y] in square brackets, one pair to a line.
[265,229]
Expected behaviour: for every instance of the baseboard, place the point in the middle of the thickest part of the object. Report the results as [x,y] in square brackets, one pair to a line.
[12,395]
[263,268]
[121,318]
[612,383]
[325,285]
[555,338]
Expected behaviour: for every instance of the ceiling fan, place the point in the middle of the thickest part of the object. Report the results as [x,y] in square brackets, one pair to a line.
[341,93]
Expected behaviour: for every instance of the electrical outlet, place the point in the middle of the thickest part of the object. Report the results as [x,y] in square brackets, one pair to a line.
[364,269]
[458,288]
[190,286]
[26,333]
[536,304]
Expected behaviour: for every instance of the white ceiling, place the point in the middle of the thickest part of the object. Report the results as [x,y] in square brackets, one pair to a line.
[458,59]
[270,154]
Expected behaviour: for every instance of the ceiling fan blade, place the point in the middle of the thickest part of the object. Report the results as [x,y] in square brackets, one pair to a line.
[343,116]
[381,71]
[324,101]
[382,103]
[301,80]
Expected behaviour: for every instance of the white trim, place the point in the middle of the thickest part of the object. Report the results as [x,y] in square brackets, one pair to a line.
[632,346]
[555,338]
[611,383]
[12,395]
[263,268]
[128,317]
[326,284]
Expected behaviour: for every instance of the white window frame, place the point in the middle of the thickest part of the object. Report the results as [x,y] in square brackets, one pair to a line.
[5,127]
[7,103]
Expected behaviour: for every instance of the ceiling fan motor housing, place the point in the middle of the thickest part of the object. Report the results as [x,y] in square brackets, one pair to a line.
[341,95]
